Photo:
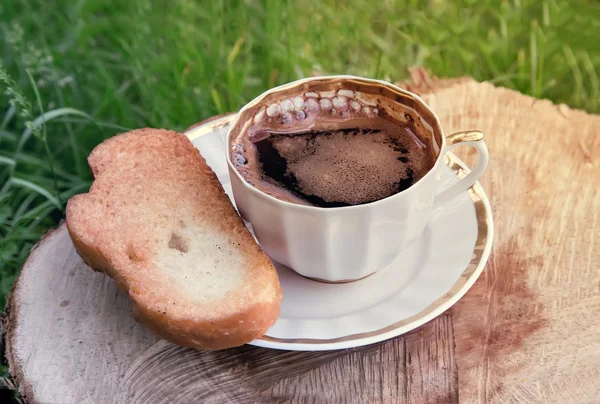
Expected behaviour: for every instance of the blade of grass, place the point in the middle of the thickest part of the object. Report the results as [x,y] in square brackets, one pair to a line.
[11,137]
[217,100]
[31,159]
[588,65]
[8,116]
[576,71]
[7,161]
[96,123]
[48,116]
[24,206]
[36,188]
[533,60]
[44,137]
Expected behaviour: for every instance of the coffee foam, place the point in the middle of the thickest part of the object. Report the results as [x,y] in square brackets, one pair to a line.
[304,111]
[353,166]
[336,146]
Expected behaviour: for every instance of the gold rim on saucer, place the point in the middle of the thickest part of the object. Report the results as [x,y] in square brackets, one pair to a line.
[471,272]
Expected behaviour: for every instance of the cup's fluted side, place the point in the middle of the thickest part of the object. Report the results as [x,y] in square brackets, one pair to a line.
[336,244]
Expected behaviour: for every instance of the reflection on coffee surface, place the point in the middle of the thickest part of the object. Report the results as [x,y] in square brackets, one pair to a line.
[330,151]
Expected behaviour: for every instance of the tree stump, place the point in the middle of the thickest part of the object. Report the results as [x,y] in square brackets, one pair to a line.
[526,332]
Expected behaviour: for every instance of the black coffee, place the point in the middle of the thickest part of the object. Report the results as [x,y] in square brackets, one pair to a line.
[350,162]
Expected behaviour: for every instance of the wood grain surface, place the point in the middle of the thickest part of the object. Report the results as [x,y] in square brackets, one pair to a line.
[527,332]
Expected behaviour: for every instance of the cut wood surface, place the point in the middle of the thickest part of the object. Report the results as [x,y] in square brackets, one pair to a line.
[527,332]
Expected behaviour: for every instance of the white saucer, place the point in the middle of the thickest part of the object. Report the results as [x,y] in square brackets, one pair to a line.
[420,285]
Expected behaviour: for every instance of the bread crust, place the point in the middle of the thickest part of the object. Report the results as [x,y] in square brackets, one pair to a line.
[247,310]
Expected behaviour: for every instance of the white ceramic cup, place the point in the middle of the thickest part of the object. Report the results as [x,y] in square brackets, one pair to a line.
[349,243]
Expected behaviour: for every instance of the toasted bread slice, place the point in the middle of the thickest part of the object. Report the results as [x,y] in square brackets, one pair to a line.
[158,222]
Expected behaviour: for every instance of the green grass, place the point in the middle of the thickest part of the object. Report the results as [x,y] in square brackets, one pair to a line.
[103,66]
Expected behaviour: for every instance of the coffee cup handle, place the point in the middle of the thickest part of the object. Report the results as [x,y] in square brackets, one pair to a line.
[473,138]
